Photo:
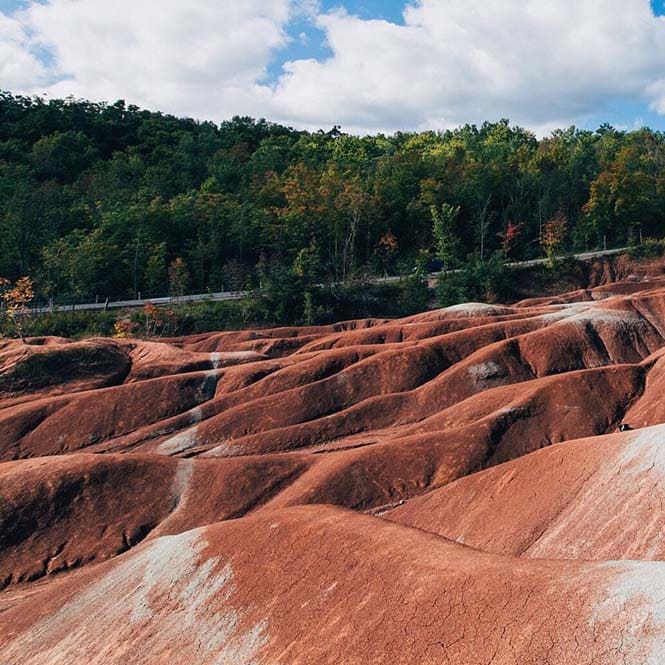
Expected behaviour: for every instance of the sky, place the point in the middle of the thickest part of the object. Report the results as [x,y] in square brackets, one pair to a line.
[367,65]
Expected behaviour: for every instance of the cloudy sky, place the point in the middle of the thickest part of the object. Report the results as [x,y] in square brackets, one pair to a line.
[368,65]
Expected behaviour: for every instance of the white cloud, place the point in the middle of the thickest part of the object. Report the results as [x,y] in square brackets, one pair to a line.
[202,57]
[656,92]
[540,63]
[19,66]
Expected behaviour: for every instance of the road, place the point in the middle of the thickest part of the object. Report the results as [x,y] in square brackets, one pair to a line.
[237,295]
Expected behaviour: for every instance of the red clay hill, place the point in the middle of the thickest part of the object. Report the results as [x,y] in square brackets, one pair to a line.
[447,488]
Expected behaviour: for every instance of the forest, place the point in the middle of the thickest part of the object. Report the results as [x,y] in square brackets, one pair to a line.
[110,200]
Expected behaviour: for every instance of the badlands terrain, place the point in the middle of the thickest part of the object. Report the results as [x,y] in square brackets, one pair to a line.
[447,488]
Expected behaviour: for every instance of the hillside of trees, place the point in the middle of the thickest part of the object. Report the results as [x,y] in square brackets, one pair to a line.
[102,200]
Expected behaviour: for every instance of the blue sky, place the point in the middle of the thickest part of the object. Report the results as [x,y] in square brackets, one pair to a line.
[350,69]
[10,5]
[315,44]
[387,9]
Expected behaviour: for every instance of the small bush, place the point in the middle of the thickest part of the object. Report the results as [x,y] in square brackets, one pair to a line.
[449,292]
[414,296]
[71,324]
[651,248]
[485,281]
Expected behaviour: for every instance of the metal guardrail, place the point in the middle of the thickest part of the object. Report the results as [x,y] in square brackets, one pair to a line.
[133,304]
[238,295]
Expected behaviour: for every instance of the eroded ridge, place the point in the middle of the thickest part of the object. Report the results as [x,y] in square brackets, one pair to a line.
[451,487]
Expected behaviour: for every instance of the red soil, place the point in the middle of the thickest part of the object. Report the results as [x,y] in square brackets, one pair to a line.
[446,488]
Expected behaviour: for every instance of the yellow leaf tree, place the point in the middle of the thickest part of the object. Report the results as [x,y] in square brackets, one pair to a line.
[16,298]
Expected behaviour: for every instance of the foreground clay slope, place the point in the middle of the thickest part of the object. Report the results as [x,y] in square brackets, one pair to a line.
[446,488]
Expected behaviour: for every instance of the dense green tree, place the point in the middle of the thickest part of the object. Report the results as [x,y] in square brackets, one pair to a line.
[79,264]
[100,199]
[444,221]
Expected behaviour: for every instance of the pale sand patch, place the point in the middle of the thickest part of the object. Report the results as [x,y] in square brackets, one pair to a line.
[224,450]
[208,386]
[165,584]
[487,371]
[622,500]
[478,309]
[584,314]
[189,438]
[633,606]
[182,481]
[180,443]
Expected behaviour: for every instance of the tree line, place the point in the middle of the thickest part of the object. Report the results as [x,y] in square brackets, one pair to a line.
[110,200]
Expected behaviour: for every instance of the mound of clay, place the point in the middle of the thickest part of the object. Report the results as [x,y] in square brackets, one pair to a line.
[319,585]
[593,499]
[59,366]
[451,487]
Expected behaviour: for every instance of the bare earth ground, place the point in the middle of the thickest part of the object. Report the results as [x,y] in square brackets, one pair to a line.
[446,488]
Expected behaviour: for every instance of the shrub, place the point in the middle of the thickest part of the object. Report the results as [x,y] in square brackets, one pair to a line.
[486,281]
[414,295]
[71,324]
[649,249]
